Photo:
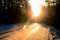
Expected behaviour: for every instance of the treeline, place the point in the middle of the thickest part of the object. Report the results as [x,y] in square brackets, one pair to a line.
[10,11]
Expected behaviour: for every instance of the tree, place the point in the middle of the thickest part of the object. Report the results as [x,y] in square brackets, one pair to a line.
[11,11]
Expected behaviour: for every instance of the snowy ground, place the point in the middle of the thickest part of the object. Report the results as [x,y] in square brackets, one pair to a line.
[33,31]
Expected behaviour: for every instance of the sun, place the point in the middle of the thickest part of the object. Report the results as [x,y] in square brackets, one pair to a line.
[36,6]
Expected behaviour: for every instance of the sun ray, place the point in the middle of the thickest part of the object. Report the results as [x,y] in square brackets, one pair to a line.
[36,6]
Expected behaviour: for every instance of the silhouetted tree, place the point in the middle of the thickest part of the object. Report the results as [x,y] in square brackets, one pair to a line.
[10,11]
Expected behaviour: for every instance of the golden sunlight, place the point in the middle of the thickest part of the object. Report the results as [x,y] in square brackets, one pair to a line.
[36,6]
